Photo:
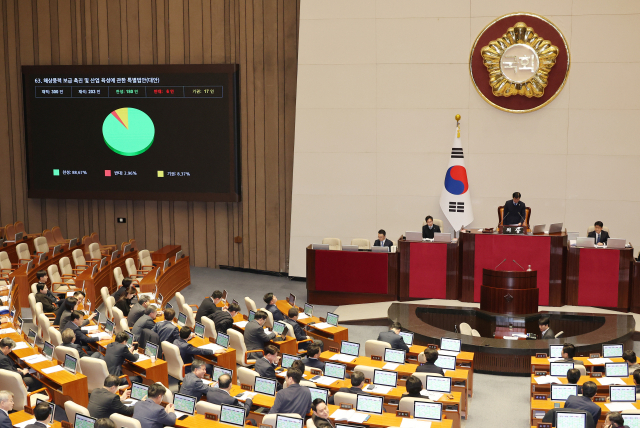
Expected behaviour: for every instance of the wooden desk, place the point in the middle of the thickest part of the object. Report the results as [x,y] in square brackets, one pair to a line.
[540,407]
[543,363]
[103,278]
[226,359]
[175,278]
[165,252]
[22,416]
[464,361]
[331,337]
[287,346]
[634,294]
[603,390]
[10,248]
[150,372]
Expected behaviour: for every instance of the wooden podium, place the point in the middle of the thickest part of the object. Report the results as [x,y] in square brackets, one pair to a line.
[509,292]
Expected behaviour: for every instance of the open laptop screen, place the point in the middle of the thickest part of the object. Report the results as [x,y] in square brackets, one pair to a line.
[185,403]
[232,415]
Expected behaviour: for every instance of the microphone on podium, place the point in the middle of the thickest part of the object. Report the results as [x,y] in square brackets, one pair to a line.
[518,264]
[499,264]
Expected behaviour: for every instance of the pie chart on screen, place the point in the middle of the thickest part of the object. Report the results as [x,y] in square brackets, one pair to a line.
[128,131]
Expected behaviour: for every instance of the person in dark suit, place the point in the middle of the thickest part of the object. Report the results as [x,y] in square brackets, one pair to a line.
[573,376]
[266,366]
[585,402]
[221,395]
[145,321]
[299,332]
[254,335]
[208,306]
[104,401]
[43,278]
[294,398]
[270,299]
[69,339]
[42,413]
[357,385]
[431,356]
[515,211]
[413,386]
[68,306]
[192,383]
[150,413]
[311,360]
[48,305]
[224,319]
[320,412]
[545,331]
[126,283]
[124,301]
[137,310]
[550,416]
[568,352]
[6,363]
[74,323]
[6,405]
[393,338]
[630,357]
[187,350]
[382,240]
[117,353]
[613,420]
[599,236]
[429,229]
[166,331]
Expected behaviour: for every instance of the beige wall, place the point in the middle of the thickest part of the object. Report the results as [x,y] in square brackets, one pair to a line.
[379,83]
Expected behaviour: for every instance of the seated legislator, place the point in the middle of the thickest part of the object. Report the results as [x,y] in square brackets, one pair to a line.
[192,384]
[137,310]
[311,360]
[43,278]
[69,339]
[636,380]
[382,240]
[126,283]
[74,323]
[320,412]
[545,331]
[104,401]
[431,356]
[222,395]
[124,301]
[573,376]
[254,336]
[393,338]
[224,319]
[630,357]
[584,402]
[270,299]
[266,366]
[413,386]
[429,229]
[41,412]
[294,398]
[117,353]
[150,413]
[6,363]
[515,211]
[187,350]
[208,306]
[41,296]
[357,383]
[568,352]
[166,330]
[298,331]
[6,404]
[145,321]
[614,420]
[599,236]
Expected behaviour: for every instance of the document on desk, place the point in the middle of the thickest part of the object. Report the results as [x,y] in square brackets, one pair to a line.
[25,423]
[391,366]
[90,329]
[303,316]
[343,357]
[267,331]
[350,416]
[553,360]
[53,369]
[246,395]
[241,324]
[212,346]
[322,325]
[325,380]
[414,423]
[510,338]
[20,345]
[610,381]
[600,361]
[7,331]
[142,357]
[102,335]
[431,395]
[452,353]
[545,380]
[619,407]
[34,359]
[523,335]
[379,389]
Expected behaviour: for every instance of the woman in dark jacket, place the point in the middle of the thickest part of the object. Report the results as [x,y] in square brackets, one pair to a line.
[124,301]
[414,386]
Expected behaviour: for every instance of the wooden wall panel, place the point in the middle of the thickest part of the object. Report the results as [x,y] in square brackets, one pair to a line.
[259,35]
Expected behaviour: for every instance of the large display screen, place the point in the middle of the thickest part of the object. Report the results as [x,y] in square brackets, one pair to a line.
[159,132]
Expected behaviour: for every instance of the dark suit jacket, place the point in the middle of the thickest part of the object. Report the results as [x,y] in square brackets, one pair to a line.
[548,334]
[135,313]
[77,347]
[512,213]
[124,307]
[277,315]
[266,369]
[81,338]
[604,236]
[220,396]
[6,363]
[313,363]
[395,340]
[298,331]
[143,322]
[119,292]
[59,312]
[5,421]
[550,416]
[37,424]
[47,304]
[583,403]
[193,385]
[206,309]
[166,331]
[152,415]
[429,368]
[387,243]
[255,337]
[317,420]
[115,355]
[579,362]
[187,350]
[65,316]
[294,399]
[103,403]
[428,233]
[223,321]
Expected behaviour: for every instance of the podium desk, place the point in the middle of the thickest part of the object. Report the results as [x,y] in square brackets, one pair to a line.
[166,252]
[634,295]
[599,277]
[331,337]
[545,253]
[349,277]
[428,270]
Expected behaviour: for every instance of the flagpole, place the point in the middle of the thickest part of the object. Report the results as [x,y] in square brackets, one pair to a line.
[458,117]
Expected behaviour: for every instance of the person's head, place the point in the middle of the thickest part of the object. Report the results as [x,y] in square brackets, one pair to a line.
[313,351]
[431,355]
[156,393]
[293,376]
[122,337]
[128,294]
[169,314]
[76,317]
[152,311]
[144,301]
[42,411]
[357,379]
[6,345]
[42,288]
[198,368]
[104,423]
[382,234]
[568,351]
[42,276]
[70,304]
[111,383]
[127,282]
[299,365]
[224,382]
[233,309]
[319,408]
[543,324]
[573,376]
[216,296]
[629,356]
[270,299]
[79,294]
[636,376]
[185,332]
[293,314]
[589,389]
[598,226]
[6,400]
[614,420]
[429,220]
[271,353]
[396,327]
[260,317]
[516,197]
[68,336]
[414,385]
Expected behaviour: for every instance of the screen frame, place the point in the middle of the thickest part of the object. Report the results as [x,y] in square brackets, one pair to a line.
[344,370]
[272,381]
[384,357]
[350,343]
[289,417]
[610,364]
[224,335]
[222,406]
[620,345]
[426,383]
[573,366]
[551,388]
[418,403]
[376,371]
[561,412]
[611,387]
[366,396]
[64,364]
[195,401]
[140,384]
[84,416]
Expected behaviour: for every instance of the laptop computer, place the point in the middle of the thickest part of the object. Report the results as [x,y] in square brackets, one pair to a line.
[279,327]
[441,237]
[19,236]
[222,340]
[632,420]
[555,227]
[585,242]
[292,299]
[571,420]
[612,351]
[108,327]
[115,255]
[70,363]
[321,393]
[380,249]
[185,405]
[151,350]
[166,264]
[555,351]
[308,309]
[129,338]
[57,249]
[349,248]
[616,243]
[73,242]
[427,411]
[219,371]
[369,403]
[84,421]
[139,392]
[319,246]
[616,369]
[283,421]
[265,386]
[396,356]
[562,392]
[439,384]
[446,362]
[103,262]
[407,337]
[332,319]
[198,330]
[182,319]
[413,236]
[232,415]
[350,348]
[385,378]
[622,394]
[538,228]
[287,360]
[47,350]
[31,338]
[448,344]
[252,315]
[179,255]
[335,370]
[559,369]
